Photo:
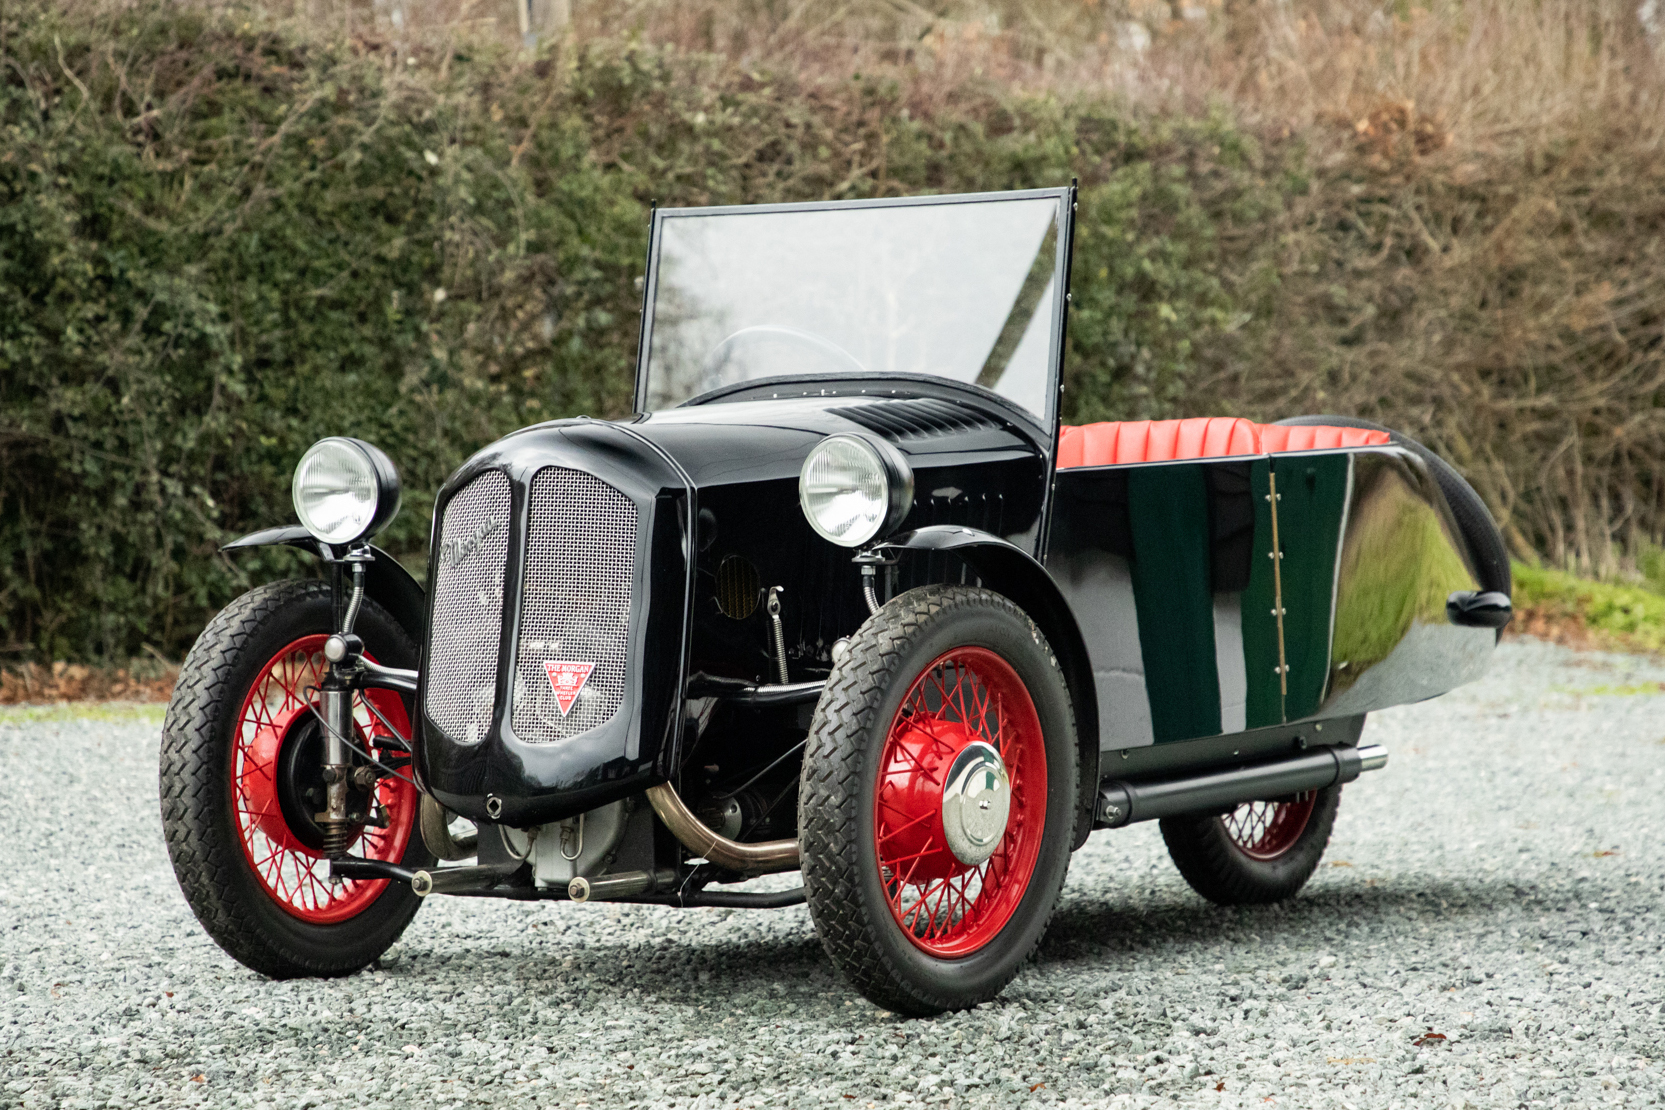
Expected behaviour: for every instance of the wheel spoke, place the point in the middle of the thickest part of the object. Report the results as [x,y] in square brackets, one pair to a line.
[959,693]
[903,752]
[939,921]
[1266,830]
[907,878]
[983,705]
[942,690]
[960,908]
[894,860]
[900,829]
[945,907]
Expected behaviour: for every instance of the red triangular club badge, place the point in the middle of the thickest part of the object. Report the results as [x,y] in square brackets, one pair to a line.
[567,679]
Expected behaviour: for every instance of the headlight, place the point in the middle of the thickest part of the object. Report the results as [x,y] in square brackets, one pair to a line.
[345,490]
[852,489]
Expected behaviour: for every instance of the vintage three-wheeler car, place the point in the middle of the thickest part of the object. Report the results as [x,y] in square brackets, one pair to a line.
[842,598]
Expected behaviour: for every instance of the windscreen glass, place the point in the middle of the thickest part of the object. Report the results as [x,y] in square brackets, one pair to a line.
[962,290]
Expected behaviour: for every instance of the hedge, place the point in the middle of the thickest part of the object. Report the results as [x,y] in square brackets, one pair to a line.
[223,237]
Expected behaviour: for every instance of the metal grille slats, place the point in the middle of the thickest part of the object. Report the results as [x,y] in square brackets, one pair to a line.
[919,418]
[461,682]
[575,602]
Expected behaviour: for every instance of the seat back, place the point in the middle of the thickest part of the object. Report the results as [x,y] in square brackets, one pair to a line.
[1317,437]
[1199,437]
[1133,441]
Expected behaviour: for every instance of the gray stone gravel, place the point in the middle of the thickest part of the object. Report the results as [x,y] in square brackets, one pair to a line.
[1501,884]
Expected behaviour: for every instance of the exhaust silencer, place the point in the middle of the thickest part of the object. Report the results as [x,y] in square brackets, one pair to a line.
[1122,803]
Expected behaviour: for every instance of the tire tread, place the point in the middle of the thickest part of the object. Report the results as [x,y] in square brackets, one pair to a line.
[210,867]
[829,796]
[1203,851]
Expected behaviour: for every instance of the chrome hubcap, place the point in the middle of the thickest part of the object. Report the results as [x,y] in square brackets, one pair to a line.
[976,801]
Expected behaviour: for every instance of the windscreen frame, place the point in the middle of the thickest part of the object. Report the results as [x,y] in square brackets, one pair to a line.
[1064,198]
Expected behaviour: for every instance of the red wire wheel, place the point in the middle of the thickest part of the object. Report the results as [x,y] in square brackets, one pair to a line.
[1266,830]
[270,818]
[945,907]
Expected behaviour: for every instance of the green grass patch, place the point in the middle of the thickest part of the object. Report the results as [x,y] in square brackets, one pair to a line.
[123,712]
[1569,609]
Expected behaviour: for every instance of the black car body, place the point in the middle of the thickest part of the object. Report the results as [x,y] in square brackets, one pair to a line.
[634,631]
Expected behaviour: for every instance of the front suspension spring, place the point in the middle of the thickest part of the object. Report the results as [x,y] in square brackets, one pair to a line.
[338,837]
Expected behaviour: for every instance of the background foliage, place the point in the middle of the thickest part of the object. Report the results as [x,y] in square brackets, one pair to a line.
[227,231]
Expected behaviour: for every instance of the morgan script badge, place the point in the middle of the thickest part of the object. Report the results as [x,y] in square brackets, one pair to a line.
[453,553]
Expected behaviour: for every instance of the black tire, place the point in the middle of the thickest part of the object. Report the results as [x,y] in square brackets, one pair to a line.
[1474,520]
[836,806]
[1218,868]
[219,884]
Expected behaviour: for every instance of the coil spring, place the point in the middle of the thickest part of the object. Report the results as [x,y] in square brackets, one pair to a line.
[338,837]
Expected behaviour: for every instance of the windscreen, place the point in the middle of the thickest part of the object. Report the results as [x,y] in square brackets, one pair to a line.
[965,290]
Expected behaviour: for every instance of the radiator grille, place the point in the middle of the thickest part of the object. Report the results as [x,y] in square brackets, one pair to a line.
[575,603]
[468,608]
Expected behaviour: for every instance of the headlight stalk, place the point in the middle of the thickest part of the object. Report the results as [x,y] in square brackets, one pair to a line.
[870,561]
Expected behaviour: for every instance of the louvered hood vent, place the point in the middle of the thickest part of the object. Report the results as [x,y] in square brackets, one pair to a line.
[922,418]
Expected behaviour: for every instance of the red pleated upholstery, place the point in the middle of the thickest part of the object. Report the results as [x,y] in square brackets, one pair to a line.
[1275,437]
[1201,437]
[1130,441]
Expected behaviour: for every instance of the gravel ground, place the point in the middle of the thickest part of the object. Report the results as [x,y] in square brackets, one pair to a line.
[1486,931]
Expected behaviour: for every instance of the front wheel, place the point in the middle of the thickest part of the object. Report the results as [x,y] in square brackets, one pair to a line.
[1259,852]
[242,784]
[937,800]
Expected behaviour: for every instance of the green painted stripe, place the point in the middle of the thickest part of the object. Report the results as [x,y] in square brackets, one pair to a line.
[1168,507]
[1312,492]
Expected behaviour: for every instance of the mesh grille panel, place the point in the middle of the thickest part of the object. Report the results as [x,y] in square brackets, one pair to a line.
[575,604]
[468,608]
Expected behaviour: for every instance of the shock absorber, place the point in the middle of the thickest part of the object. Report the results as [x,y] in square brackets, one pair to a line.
[338,718]
[335,822]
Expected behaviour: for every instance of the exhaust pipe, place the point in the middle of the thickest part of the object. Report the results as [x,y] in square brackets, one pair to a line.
[434,823]
[625,884]
[462,880]
[352,867]
[1122,803]
[752,859]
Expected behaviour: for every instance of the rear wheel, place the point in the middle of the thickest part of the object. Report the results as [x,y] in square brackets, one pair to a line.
[935,811]
[241,784]
[1259,852]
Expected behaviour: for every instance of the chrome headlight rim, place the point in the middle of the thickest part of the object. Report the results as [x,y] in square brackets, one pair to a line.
[378,473]
[887,462]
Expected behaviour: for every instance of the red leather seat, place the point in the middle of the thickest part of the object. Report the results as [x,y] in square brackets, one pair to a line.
[1131,441]
[1282,437]
[1200,437]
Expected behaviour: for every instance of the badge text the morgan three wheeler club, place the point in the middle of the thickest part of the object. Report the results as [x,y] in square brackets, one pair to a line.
[843,597]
